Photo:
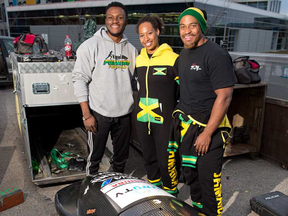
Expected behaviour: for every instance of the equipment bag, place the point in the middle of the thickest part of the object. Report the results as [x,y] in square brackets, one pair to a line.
[247,71]
[270,204]
[30,43]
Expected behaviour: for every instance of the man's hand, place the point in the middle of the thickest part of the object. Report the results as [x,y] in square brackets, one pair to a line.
[202,143]
[91,124]
[88,119]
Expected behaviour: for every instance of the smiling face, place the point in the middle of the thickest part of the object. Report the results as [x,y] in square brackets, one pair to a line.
[115,22]
[190,32]
[148,37]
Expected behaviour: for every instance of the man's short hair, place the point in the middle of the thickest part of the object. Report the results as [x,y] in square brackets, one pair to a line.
[117,4]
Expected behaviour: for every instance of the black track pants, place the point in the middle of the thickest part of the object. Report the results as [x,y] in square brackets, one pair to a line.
[205,179]
[154,149]
[120,129]
[202,173]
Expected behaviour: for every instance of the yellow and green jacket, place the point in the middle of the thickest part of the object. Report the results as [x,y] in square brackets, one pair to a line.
[159,83]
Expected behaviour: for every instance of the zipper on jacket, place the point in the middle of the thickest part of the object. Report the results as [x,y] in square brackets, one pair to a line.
[147,93]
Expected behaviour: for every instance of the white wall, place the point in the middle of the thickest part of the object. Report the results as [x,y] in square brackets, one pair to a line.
[254,40]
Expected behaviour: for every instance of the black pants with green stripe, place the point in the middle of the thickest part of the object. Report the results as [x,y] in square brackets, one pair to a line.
[154,150]
[205,179]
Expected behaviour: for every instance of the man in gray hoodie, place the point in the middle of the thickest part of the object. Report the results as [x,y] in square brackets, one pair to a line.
[102,77]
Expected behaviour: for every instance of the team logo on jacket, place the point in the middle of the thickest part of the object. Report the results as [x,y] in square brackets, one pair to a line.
[160,71]
[118,62]
[195,67]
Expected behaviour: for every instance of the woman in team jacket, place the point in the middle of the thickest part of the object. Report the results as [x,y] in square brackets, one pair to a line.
[157,98]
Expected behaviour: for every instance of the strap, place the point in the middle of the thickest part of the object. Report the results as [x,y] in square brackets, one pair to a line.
[175,111]
[225,122]
[241,58]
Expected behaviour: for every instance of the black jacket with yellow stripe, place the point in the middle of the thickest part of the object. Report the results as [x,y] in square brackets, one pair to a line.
[158,92]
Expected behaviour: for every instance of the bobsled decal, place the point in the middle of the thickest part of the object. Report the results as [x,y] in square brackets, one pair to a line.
[90,211]
[115,184]
[106,182]
[104,176]
[126,194]
[86,190]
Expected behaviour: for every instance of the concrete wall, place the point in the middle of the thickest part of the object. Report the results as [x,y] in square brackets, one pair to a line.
[57,34]
[254,40]
[133,37]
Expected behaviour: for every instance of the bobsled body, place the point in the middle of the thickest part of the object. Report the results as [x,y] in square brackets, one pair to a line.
[111,194]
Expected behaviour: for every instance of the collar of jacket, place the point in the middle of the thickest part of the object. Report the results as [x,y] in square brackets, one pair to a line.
[162,48]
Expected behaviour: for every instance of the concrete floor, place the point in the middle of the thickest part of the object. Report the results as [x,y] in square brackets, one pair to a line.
[242,177]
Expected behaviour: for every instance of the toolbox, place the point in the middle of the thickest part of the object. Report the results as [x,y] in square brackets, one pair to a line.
[270,204]
[10,198]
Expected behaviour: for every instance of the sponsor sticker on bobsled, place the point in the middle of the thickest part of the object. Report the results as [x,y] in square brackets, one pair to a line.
[106,182]
[104,176]
[126,194]
[90,211]
[115,184]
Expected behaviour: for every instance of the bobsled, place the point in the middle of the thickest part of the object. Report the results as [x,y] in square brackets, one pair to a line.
[111,194]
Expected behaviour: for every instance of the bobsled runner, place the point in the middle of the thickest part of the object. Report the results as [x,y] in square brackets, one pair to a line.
[111,194]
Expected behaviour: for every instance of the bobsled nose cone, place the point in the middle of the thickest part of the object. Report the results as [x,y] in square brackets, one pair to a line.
[111,193]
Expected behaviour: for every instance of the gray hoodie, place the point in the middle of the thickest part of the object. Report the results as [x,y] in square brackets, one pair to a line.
[103,74]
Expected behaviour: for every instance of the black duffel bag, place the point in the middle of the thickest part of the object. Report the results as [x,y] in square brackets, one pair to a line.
[246,70]
[30,43]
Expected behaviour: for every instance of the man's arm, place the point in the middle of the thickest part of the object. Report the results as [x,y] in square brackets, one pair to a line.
[81,77]
[220,107]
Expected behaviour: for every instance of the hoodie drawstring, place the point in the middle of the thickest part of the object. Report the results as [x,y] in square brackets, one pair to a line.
[121,47]
[115,64]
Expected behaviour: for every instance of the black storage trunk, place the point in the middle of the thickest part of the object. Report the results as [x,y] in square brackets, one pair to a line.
[270,204]
[274,145]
